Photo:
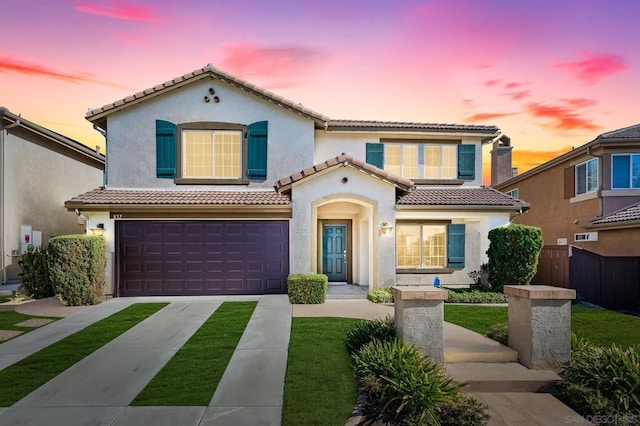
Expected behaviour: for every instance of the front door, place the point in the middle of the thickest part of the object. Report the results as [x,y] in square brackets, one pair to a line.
[334,252]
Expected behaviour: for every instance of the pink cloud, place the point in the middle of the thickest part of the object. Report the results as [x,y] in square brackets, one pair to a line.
[518,95]
[580,102]
[487,116]
[512,85]
[562,118]
[594,66]
[118,9]
[491,83]
[11,65]
[282,65]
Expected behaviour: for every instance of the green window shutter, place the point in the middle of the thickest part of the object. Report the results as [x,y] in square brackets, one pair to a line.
[467,162]
[455,246]
[257,150]
[165,149]
[375,154]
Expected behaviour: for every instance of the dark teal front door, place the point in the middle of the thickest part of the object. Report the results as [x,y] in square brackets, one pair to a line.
[334,252]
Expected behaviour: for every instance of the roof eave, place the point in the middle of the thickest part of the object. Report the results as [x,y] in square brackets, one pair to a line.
[476,208]
[614,225]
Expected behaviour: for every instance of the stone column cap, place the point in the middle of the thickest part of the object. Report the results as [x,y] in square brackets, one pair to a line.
[419,292]
[540,292]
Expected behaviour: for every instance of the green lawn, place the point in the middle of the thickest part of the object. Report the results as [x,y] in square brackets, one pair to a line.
[4,299]
[600,327]
[9,319]
[193,373]
[320,388]
[25,376]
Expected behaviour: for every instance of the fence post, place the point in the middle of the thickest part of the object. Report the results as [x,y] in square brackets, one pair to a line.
[419,318]
[540,324]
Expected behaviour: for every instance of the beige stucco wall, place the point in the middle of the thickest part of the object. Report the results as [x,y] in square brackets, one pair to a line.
[478,225]
[331,144]
[38,181]
[376,253]
[131,142]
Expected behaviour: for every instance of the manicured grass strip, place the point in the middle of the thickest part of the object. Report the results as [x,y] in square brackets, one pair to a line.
[9,319]
[476,318]
[25,376]
[600,327]
[4,299]
[191,377]
[320,388]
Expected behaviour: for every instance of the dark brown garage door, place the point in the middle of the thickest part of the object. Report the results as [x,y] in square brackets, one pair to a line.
[202,257]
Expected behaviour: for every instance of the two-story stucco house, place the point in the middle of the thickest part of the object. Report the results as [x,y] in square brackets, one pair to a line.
[216,186]
[587,202]
[39,170]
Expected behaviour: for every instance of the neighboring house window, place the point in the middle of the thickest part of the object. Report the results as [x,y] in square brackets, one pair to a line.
[424,161]
[429,246]
[625,169]
[212,154]
[587,176]
[515,193]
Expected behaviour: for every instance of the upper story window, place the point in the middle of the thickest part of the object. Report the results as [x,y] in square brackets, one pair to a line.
[625,170]
[421,161]
[515,193]
[424,160]
[587,176]
[212,154]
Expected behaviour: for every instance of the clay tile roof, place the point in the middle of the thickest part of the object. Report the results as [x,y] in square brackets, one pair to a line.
[469,197]
[343,160]
[631,132]
[627,214]
[365,125]
[97,115]
[102,196]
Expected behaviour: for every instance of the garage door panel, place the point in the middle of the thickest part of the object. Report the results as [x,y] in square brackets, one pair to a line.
[202,257]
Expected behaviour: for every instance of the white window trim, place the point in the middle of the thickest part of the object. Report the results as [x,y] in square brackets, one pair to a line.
[421,166]
[515,191]
[630,188]
[423,224]
[585,164]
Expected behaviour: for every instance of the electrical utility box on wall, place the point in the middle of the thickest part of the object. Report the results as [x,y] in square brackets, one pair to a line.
[29,237]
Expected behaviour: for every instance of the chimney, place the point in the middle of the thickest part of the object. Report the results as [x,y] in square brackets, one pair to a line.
[501,168]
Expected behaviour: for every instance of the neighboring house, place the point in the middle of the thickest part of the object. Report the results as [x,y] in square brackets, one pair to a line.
[216,186]
[39,170]
[588,198]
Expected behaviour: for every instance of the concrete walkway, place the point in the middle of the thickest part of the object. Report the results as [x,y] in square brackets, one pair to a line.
[99,389]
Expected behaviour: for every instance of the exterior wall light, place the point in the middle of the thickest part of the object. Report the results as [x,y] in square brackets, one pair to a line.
[385,228]
[98,230]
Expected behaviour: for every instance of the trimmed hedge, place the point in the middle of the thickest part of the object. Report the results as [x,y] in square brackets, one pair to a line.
[307,288]
[513,255]
[34,273]
[77,268]
[381,295]
[474,296]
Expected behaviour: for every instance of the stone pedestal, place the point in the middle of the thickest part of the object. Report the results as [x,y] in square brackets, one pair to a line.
[419,318]
[540,324]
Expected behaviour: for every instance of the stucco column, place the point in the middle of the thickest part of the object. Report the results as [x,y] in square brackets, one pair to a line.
[540,324]
[419,318]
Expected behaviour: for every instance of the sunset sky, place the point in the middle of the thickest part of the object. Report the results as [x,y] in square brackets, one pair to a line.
[551,74]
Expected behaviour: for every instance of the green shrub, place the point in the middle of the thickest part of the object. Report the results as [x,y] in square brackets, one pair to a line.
[464,411]
[307,288]
[381,295]
[77,267]
[34,273]
[367,330]
[601,380]
[513,255]
[475,296]
[400,384]
[499,333]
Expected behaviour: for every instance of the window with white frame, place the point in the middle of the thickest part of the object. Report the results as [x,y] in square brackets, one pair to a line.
[625,171]
[421,161]
[212,154]
[421,245]
[515,193]
[587,176]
